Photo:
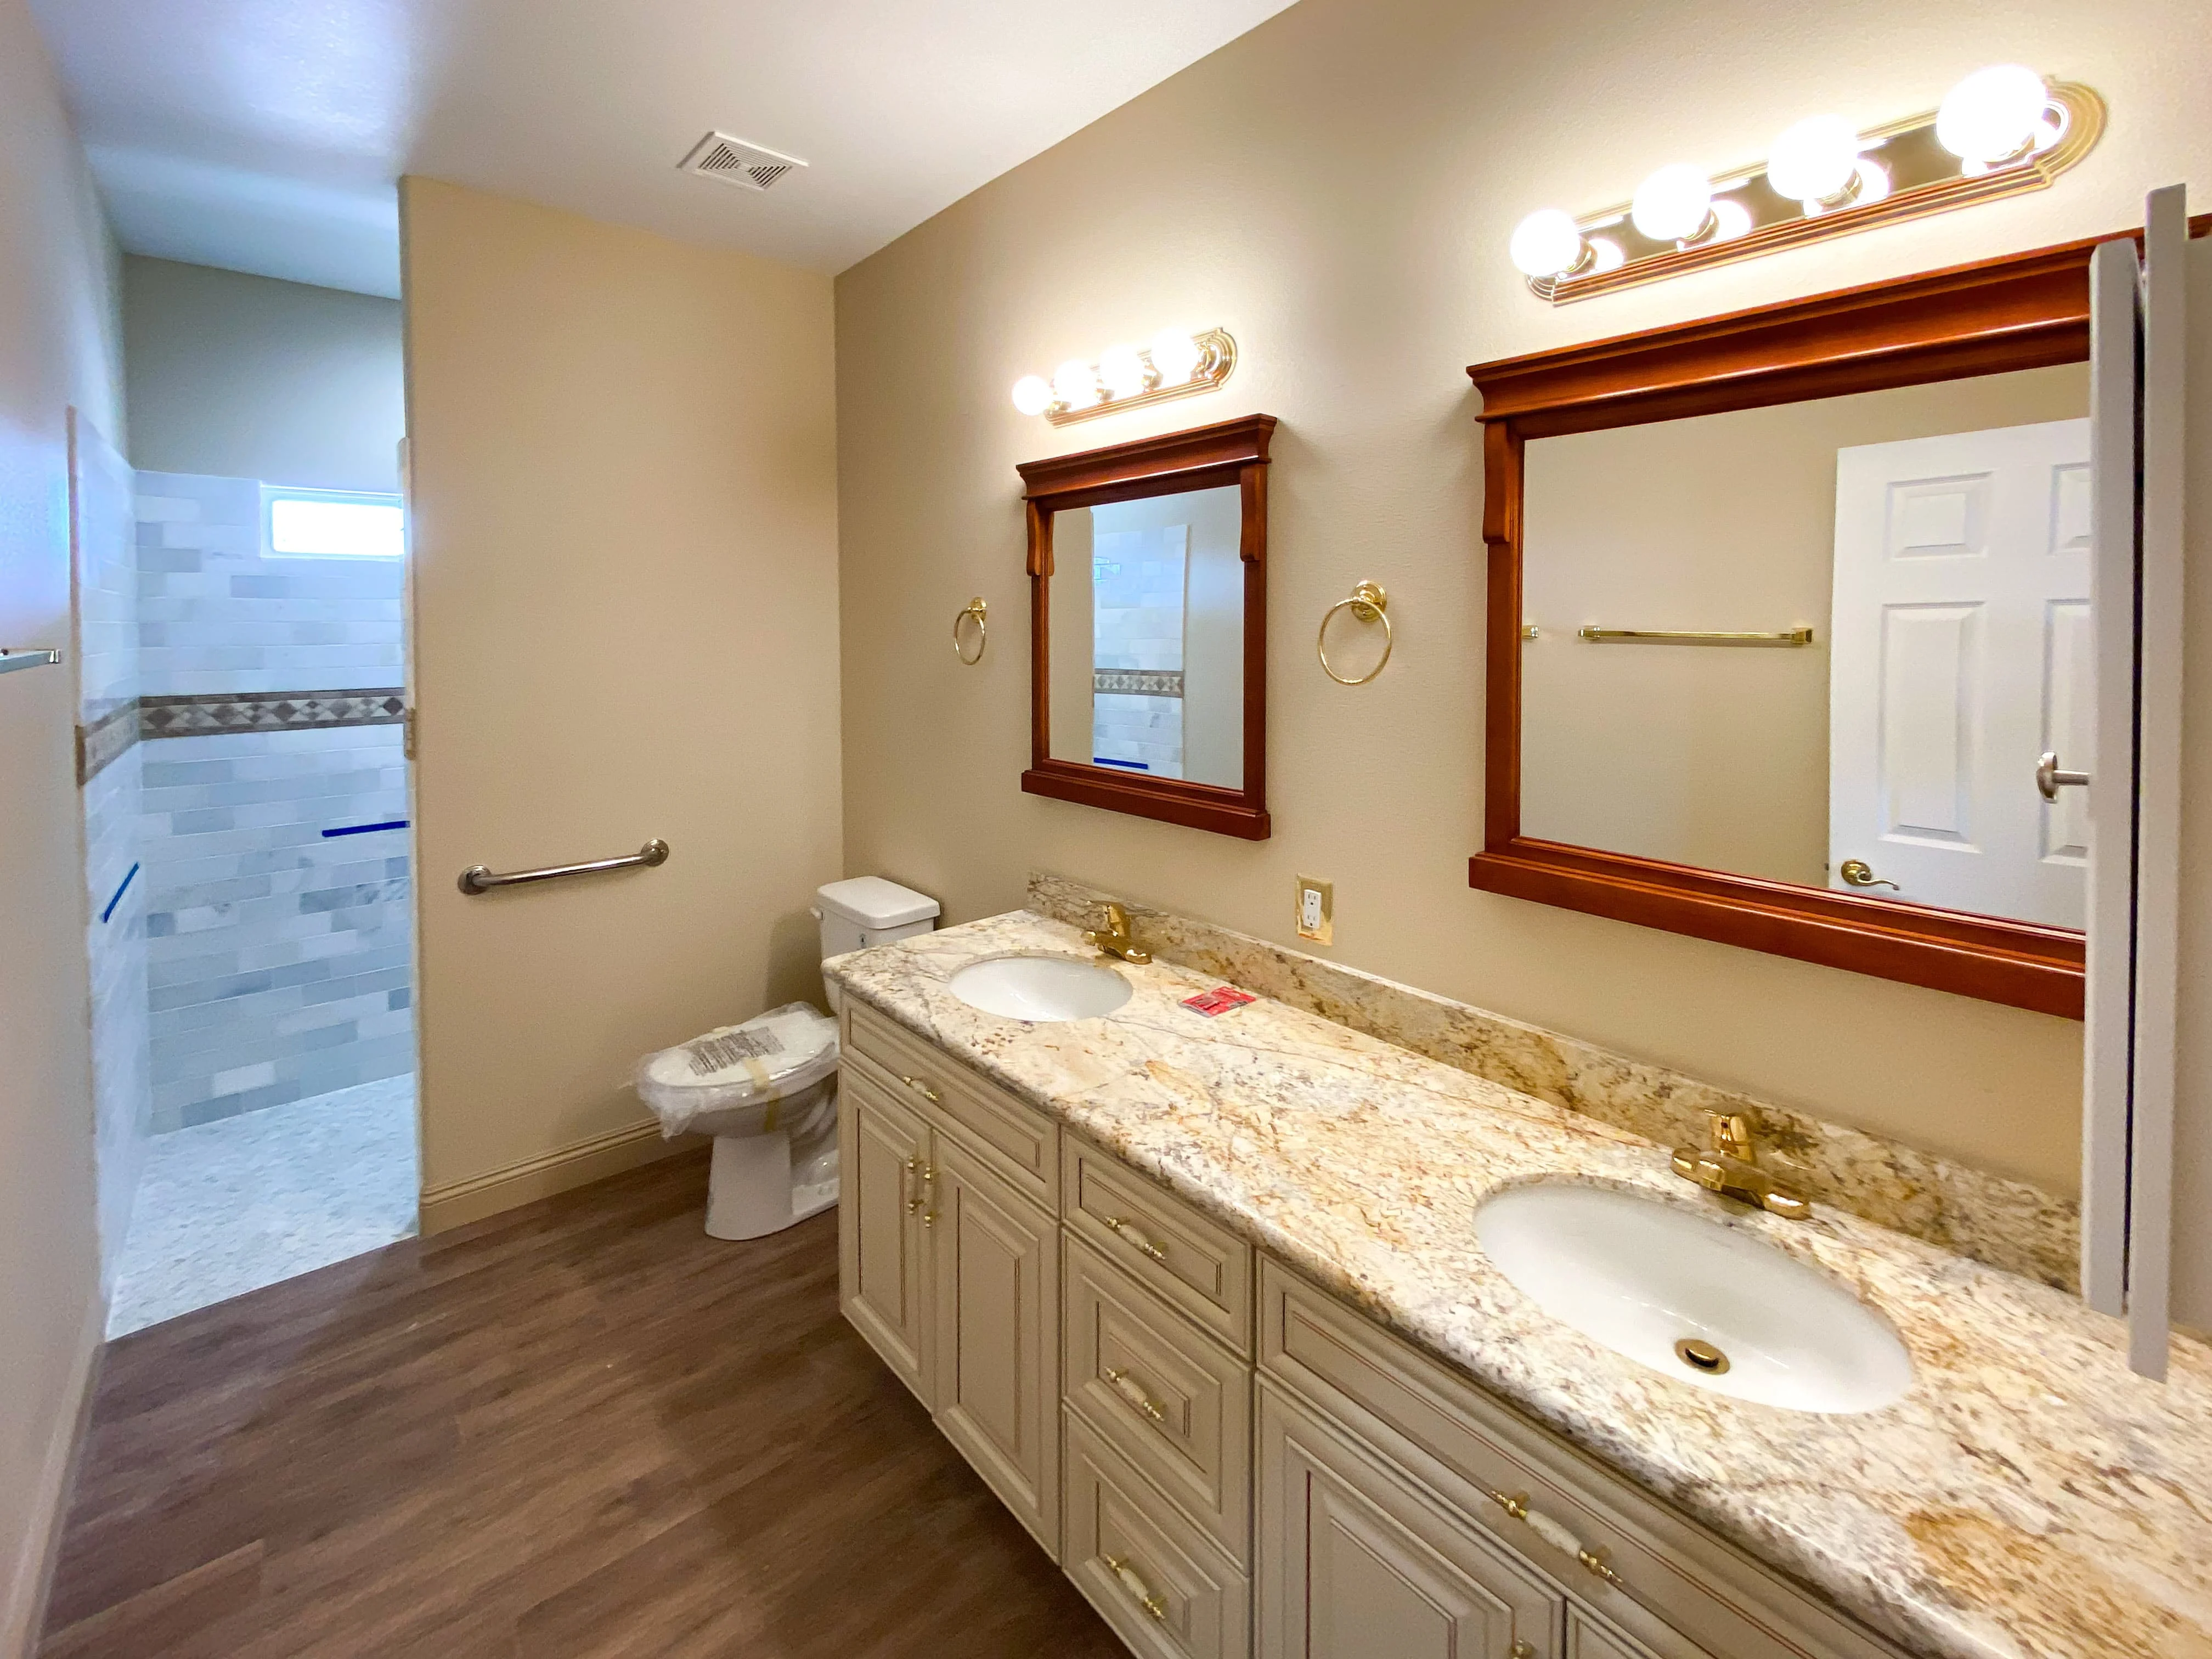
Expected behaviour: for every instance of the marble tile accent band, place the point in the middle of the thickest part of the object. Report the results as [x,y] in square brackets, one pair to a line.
[198,713]
[1993,1218]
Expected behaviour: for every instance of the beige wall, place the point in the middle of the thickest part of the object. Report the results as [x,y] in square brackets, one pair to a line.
[247,377]
[1337,188]
[625,592]
[1712,758]
[58,334]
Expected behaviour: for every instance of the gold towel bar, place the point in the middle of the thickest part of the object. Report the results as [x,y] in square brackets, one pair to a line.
[1596,636]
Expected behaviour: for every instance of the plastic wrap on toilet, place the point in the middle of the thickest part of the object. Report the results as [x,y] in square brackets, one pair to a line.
[776,1070]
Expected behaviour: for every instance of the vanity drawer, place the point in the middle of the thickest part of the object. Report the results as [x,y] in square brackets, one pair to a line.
[1013,1137]
[1165,1587]
[1677,1587]
[1193,1260]
[1172,1401]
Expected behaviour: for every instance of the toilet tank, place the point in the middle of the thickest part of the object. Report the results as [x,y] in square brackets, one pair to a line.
[869,910]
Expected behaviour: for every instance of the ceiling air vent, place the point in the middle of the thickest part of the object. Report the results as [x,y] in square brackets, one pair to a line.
[734,161]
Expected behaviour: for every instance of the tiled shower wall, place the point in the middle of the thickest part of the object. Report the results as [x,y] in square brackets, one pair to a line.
[105,602]
[279,952]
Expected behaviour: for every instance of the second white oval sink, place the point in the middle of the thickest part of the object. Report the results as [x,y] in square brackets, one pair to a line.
[1705,1303]
[1041,988]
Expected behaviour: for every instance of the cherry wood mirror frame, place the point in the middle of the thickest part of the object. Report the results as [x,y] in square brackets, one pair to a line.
[2027,311]
[1207,457]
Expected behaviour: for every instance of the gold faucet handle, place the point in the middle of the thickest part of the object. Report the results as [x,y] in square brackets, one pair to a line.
[1731,1133]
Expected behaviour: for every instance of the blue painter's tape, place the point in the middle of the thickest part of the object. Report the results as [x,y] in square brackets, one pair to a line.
[366,829]
[118,899]
[1129,765]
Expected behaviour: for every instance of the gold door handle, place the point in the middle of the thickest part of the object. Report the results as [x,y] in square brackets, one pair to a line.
[907,1170]
[929,1209]
[1135,1239]
[1134,1391]
[1523,1649]
[1136,1587]
[1857,872]
[923,1090]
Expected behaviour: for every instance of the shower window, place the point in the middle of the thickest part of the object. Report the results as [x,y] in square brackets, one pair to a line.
[324,524]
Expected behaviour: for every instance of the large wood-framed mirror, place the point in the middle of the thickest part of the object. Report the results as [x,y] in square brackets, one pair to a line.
[1148,585]
[1785,608]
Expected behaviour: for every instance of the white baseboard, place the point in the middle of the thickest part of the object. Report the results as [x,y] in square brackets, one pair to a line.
[457,1203]
[25,1608]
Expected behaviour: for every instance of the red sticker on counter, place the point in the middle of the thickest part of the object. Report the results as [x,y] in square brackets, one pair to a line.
[1220,1000]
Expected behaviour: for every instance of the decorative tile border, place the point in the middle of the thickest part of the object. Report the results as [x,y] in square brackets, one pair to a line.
[100,741]
[1993,1218]
[269,711]
[105,739]
[1137,682]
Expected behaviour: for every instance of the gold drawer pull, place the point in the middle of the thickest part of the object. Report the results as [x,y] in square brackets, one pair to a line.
[1522,1649]
[1136,1587]
[922,1089]
[1133,1391]
[1135,1239]
[1596,1562]
[913,1203]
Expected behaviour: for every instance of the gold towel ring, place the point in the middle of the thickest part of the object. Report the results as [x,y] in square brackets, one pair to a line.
[976,609]
[1368,603]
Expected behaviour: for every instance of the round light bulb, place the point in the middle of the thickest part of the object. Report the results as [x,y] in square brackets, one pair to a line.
[1874,182]
[1175,355]
[1546,244]
[1731,219]
[1033,394]
[1075,383]
[1673,204]
[1814,160]
[1990,114]
[1122,370]
[1606,255]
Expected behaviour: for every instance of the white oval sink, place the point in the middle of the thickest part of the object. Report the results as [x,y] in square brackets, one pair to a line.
[1706,1304]
[1041,988]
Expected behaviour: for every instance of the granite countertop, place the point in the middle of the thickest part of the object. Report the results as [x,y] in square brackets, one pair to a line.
[2028,1496]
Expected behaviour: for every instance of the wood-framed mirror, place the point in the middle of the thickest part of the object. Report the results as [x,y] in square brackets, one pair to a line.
[1148,606]
[1785,607]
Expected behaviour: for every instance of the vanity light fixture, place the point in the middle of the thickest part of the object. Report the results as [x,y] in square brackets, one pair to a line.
[1174,364]
[1999,132]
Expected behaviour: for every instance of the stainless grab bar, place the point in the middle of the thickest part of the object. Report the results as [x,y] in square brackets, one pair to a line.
[477,878]
[12,660]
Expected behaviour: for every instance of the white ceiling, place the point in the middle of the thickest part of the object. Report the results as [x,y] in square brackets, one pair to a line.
[266,134]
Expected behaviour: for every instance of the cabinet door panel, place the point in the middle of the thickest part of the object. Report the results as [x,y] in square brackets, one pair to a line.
[883,1260]
[1355,1562]
[998,1336]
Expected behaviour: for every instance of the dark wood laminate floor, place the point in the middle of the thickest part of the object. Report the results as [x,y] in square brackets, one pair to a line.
[577,1431]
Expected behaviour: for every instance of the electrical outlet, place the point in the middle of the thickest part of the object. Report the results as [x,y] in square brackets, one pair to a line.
[1316,910]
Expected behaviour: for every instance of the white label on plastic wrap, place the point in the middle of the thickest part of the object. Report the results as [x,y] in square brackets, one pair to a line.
[710,1055]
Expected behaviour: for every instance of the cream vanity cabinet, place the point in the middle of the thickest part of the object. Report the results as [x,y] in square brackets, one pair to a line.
[1228,1460]
[949,1255]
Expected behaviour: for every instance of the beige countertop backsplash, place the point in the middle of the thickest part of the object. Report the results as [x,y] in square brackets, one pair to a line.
[1993,1219]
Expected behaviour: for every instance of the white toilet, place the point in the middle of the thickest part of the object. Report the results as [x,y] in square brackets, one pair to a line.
[868,910]
[766,1090]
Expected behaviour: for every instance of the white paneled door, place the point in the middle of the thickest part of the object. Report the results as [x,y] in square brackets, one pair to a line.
[1962,651]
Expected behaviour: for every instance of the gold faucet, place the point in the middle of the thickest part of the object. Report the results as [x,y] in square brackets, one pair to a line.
[1115,940]
[1728,1169]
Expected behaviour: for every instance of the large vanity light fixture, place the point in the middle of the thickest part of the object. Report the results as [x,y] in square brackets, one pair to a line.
[1174,365]
[2001,131]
